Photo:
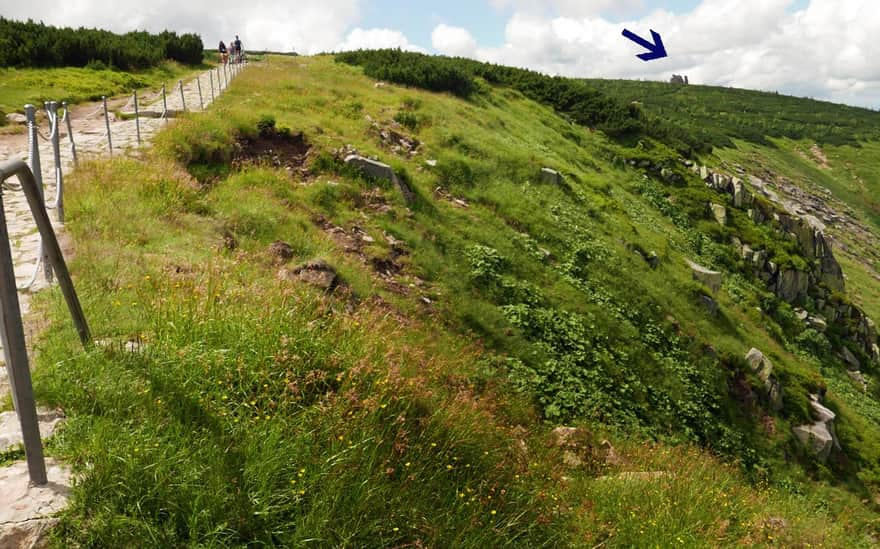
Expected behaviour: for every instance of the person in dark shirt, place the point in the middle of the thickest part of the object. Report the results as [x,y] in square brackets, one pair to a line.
[237,45]
[223,54]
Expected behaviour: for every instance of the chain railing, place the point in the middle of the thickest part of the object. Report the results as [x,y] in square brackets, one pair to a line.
[55,120]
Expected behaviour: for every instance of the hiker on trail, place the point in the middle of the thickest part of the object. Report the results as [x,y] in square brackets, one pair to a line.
[237,44]
[223,55]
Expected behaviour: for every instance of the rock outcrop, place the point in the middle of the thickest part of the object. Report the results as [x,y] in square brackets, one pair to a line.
[818,437]
[822,280]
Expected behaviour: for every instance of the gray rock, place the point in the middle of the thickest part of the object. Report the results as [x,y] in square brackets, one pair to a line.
[741,196]
[281,250]
[550,176]
[875,352]
[710,278]
[759,259]
[816,438]
[819,438]
[31,534]
[16,118]
[705,174]
[719,212]
[25,510]
[763,368]
[817,323]
[10,428]
[710,304]
[759,363]
[792,284]
[858,378]
[316,273]
[852,363]
[379,170]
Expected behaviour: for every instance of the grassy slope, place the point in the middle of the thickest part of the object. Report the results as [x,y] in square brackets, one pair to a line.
[21,86]
[264,412]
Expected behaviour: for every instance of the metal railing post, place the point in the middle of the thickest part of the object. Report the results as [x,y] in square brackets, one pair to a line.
[164,103]
[15,352]
[199,86]
[52,109]
[50,241]
[182,99]
[211,81]
[137,118]
[11,329]
[70,132]
[33,144]
[107,122]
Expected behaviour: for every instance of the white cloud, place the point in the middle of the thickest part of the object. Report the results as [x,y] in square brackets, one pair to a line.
[454,41]
[827,50]
[376,39]
[571,8]
[309,26]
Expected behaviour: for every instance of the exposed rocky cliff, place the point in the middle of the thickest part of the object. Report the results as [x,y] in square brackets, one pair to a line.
[822,280]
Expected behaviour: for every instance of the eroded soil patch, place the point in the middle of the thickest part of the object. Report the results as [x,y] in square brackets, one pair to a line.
[278,149]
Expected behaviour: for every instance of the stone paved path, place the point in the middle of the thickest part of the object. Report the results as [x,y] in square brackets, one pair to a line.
[90,136]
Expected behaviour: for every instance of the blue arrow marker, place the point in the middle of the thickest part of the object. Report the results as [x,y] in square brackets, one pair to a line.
[656,50]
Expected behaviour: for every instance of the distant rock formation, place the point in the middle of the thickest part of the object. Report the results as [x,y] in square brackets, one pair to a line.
[679,79]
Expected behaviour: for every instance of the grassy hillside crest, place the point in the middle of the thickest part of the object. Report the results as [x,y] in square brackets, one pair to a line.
[293,354]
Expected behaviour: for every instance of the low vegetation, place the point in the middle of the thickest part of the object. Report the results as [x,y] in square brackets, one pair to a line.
[75,85]
[717,116]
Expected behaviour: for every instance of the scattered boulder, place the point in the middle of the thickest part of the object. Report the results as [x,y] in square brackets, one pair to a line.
[317,273]
[858,378]
[10,428]
[551,176]
[637,476]
[719,212]
[819,437]
[16,118]
[26,510]
[818,323]
[852,363]
[763,368]
[281,250]
[710,304]
[379,170]
[576,444]
[706,276]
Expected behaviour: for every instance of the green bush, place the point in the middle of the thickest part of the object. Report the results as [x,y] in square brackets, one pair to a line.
[30,44]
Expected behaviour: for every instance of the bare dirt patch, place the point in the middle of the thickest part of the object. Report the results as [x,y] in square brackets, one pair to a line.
[819,157]
[278,149]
